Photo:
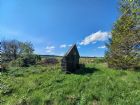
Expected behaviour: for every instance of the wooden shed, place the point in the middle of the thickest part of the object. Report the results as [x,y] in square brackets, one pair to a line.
[70,61]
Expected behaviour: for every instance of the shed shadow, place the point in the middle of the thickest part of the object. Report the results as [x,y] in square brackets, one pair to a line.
[137,69]
[85,70]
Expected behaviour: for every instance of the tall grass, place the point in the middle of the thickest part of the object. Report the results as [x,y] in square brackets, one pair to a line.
[48,85]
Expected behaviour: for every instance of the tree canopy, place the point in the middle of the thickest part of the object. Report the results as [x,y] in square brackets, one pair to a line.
[124,46]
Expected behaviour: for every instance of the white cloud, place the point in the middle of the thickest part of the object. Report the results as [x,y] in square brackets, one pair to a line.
[63,46]
[102,47]
[98,36]
[50,49]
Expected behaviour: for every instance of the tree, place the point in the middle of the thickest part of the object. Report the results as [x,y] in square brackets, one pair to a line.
[125,42]
[12,49]
[16,53]
[26,48]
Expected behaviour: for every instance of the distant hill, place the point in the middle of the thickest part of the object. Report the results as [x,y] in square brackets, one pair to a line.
[62,56]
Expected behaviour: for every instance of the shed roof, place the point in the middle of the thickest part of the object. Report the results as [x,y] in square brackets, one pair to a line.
[70,50]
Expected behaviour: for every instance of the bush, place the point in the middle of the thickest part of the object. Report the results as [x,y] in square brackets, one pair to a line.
[17,63]
[5,89]
[3,67]
[29,60]
[47,61]
[25,61]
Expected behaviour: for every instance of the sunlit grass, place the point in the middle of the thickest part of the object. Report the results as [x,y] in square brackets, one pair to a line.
[97,85]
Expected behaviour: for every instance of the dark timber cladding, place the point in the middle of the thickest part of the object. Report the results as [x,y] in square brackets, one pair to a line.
[70,61]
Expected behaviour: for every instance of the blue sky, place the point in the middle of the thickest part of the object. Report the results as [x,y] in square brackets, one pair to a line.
[54,25]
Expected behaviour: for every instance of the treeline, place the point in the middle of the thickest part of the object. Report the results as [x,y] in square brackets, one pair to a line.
[124,46]
[18,53]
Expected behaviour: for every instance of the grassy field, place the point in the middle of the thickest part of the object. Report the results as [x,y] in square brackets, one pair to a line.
[48,85]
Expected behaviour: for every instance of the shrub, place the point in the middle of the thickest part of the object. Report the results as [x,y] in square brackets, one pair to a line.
[29,60]
[47,61]
[17,63]
[3,67]
[5,89]
[25,61]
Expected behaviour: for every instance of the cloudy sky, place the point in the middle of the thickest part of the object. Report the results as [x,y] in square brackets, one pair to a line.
[54,25]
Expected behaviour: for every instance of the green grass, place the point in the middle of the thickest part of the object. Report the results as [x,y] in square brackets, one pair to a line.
[94,85]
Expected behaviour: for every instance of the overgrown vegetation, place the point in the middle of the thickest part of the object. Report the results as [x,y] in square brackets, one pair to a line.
[95,84]
[25,61]
[18,54]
